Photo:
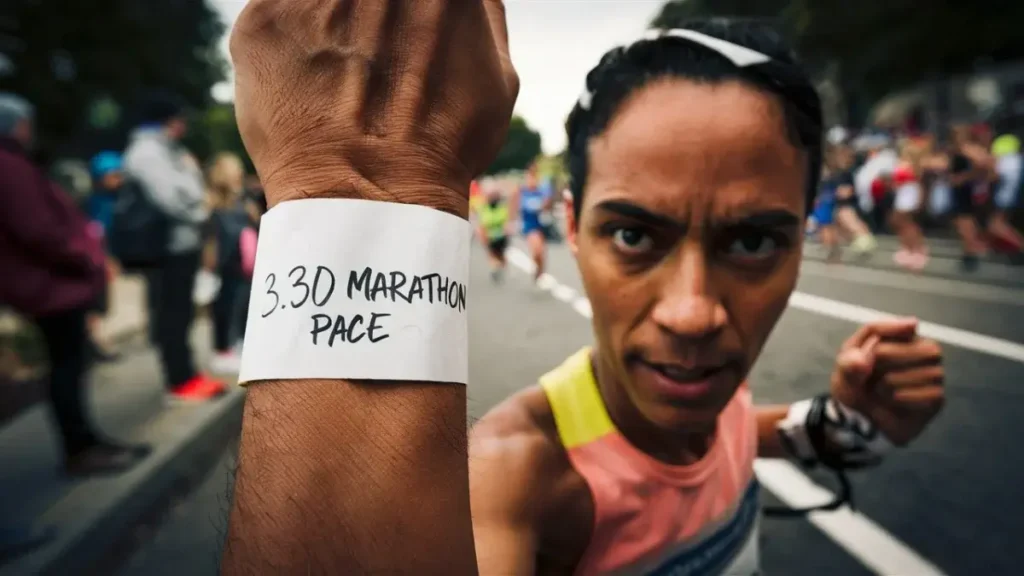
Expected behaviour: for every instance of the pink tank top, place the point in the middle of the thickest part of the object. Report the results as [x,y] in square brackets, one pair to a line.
[652,518]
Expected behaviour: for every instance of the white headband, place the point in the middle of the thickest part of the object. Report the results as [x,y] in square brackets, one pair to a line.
[740,56]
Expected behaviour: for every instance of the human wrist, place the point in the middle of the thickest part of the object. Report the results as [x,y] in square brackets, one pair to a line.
[348,183]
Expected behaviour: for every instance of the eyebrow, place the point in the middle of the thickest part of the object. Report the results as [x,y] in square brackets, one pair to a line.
[766,219]
[635,212]
[776,218]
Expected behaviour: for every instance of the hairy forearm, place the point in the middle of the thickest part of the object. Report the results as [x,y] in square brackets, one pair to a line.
[354,477]
[340,477]
[769,444]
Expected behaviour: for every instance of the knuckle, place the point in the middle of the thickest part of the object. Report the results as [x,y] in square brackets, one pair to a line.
[258,16]
[931,349]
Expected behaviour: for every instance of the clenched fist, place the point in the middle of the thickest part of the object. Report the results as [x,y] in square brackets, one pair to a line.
[394,100]
[892,376]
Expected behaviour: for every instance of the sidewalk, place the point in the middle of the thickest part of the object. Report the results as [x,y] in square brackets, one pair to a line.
[943,263]
[128,403]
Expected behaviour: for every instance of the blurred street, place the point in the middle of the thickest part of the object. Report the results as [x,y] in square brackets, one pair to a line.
[132,212]
[956,490]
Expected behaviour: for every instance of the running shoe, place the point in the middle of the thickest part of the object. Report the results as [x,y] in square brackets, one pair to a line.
[226,362]
[903,258]
[864,245]
[198,389]
[918,261]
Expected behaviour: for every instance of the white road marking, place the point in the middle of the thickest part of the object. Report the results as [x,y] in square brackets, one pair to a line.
[546,282]
[954,336]
[861,315]
[563,293]
[866,541]
[857,534]
[922,284]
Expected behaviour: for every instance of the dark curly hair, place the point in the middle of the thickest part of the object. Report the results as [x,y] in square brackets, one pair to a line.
[625,69]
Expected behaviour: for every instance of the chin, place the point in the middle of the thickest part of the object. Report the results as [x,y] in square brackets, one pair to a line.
[679,419]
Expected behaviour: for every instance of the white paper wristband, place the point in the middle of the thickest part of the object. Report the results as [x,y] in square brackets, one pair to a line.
[355,289]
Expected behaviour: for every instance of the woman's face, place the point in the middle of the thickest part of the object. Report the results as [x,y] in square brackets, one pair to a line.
[689,243]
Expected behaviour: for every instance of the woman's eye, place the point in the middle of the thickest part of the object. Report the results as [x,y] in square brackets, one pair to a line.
[632,240]
[754,246]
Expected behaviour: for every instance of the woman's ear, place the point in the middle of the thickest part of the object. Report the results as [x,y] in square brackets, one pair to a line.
[570,220]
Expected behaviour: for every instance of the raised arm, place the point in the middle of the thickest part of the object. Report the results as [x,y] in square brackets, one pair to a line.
[886,387]
[401,101]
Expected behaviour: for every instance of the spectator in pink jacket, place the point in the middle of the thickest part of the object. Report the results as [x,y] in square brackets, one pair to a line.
[53,271]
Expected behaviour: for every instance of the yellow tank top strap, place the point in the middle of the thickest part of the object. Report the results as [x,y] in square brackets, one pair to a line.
[576,402]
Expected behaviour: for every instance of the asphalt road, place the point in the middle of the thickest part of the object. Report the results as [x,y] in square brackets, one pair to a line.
[950,504]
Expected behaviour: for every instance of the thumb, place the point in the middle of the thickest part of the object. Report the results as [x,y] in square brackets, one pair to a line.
[855,365]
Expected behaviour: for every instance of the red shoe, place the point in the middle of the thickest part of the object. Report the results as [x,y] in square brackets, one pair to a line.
[214,386]
[196,389]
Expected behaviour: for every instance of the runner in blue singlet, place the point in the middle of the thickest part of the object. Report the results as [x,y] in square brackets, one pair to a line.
[534,198]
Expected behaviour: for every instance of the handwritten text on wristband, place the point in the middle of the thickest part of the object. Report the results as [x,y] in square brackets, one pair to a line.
[318,288]
[356,289]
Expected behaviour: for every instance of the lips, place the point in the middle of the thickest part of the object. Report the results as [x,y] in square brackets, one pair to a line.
[680,383]
[683,375]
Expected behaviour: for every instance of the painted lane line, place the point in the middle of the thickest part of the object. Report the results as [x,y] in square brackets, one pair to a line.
[861,315]
[866,541]
[863,539]
[563,293]
[582,306]
[546,282]
[520,260]
[945,334]
[945,287]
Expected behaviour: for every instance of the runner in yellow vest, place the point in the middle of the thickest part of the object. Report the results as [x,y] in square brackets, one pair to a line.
[492,219]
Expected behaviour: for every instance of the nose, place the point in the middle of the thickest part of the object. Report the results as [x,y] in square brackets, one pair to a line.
[688,307]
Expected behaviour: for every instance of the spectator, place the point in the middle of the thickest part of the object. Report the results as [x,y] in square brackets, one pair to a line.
[108,179]
[227,183]
[255,208]
[170,177]
[53,270]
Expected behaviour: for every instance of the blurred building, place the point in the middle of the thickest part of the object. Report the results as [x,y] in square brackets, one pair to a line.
[994,95]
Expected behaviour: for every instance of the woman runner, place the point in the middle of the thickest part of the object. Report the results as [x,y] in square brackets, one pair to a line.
[694,158]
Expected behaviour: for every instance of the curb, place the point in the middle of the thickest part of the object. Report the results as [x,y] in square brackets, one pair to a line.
[959,276]
[96,515]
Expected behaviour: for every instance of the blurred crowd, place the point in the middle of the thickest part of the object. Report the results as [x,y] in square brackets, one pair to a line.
[968,180]
[151,211]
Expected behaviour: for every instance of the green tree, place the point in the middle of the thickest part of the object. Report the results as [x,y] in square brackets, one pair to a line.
[69,54]
[216,131]
[880,47]
[522,146]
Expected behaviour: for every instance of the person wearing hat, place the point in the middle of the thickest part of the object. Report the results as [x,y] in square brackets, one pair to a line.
[53,270]
[171,178]
[1009,169]
[108,178]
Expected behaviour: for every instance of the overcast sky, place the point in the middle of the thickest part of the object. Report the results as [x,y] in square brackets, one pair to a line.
[554,44]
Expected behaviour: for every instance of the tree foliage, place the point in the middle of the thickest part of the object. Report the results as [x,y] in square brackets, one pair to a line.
[880,47]
[522,146]
[71,55]
[216,131]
